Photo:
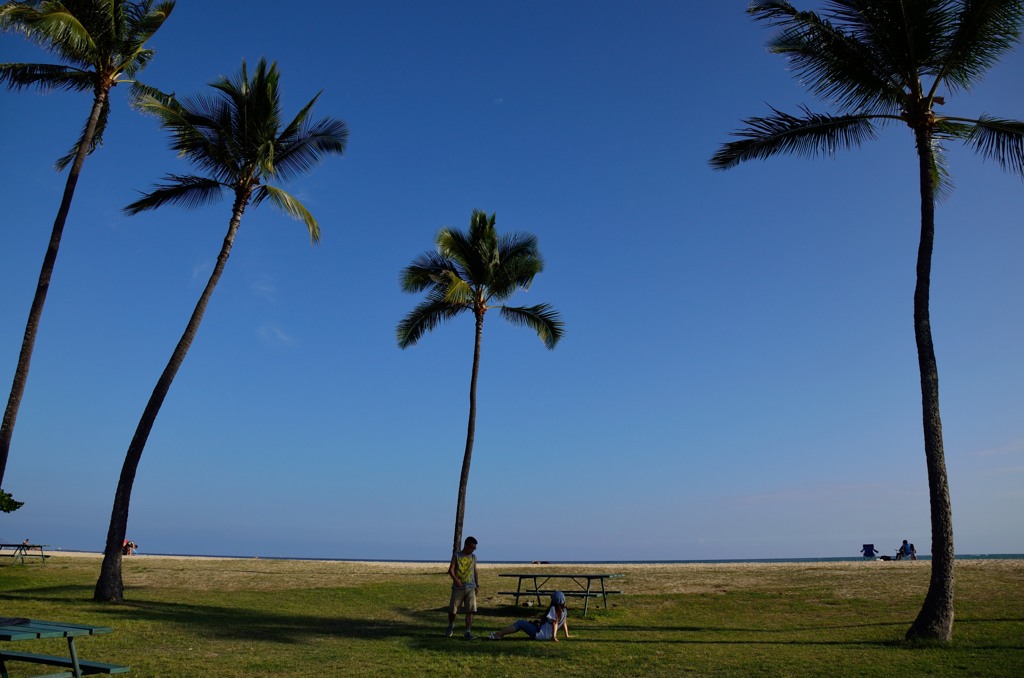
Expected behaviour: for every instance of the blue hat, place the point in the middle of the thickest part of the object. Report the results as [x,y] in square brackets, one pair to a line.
[558,598]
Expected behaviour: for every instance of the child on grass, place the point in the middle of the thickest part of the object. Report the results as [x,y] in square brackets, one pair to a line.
[545,628]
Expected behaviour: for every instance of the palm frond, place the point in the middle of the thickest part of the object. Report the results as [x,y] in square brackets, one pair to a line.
[288,204]
[427,270]
[95,142]
[45,77]
[459,248]
[542,319]
[999,140]
[514,274]
[145,19]
[458,291]
[139,93]
[188,191]
[424,318]
[53,27]
[982,32]
[299,152]
[781,133]
[832,62]
[292,129]
[942,178]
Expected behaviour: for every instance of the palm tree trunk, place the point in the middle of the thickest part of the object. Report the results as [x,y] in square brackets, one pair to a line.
[43,286]
[109,586]
[460,509]
[935,620]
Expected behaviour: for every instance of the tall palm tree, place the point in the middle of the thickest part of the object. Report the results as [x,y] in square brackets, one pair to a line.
[475,271]
[896,61]
[239,140]
[102,44]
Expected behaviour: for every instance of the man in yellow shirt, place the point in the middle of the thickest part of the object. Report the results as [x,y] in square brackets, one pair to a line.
[464,586]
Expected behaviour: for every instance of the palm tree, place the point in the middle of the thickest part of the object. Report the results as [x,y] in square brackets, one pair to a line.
[896,61]
[238,139]
[475,272]
[103,44]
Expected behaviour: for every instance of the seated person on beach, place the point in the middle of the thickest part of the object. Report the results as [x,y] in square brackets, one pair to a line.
[903,551]
[545,628]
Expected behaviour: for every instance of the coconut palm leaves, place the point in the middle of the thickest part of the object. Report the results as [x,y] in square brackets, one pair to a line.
[476,271]
[239,140]
[895,61]
[101,43]
[473,272]
[880,62]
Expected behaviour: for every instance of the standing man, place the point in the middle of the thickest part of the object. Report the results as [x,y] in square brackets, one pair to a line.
[464,586]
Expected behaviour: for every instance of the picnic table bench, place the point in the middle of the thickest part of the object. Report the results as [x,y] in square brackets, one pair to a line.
[13,629]
[22,551]
[537,585]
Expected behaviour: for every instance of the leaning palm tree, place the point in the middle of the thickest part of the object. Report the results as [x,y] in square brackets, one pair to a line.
[103,44]
[239,140]
[475,271]
[896,61]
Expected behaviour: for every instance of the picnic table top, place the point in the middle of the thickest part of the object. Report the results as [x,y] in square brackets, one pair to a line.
[26,629]
[565,575]
[28,546]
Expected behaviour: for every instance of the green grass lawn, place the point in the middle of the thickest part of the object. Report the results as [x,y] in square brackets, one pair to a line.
[250,617]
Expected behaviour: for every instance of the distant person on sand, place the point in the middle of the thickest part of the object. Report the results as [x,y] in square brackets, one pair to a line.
[545,628]
[128,548]
[464,587]
[913,552]
[903,551]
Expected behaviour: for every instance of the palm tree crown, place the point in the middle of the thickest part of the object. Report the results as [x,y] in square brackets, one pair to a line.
[101,42]
[238,138]
[882,61]
[476,271]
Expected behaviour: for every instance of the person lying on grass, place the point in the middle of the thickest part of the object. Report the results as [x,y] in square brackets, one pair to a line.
[545,628]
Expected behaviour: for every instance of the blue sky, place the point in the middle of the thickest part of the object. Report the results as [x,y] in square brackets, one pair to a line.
[738,377]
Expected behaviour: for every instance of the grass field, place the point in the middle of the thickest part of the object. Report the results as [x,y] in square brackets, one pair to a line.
[251,617]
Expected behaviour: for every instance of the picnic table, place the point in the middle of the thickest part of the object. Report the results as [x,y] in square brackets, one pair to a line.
[18,629]
[22,551]
[537,585]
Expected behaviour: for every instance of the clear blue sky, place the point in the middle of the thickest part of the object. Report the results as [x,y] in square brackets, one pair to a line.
[738,378]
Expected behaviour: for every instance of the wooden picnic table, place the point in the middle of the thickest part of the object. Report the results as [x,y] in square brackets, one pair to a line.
[23,551]
[20,629]
[584,587]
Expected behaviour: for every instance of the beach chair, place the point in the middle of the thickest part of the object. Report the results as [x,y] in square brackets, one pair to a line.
[869,551]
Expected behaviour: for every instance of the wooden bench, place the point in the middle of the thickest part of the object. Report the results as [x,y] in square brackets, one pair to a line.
[87,667]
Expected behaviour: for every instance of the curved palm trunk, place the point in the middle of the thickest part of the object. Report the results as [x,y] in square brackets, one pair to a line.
[43,286]
[460,509]
[935,620]
[109,586]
